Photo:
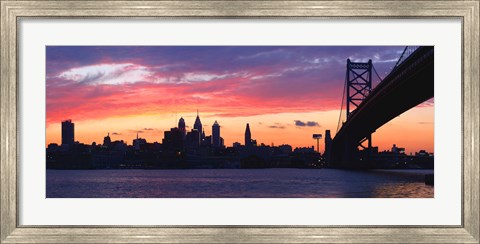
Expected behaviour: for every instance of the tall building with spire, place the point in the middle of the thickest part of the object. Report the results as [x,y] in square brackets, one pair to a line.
[198,124]
[181,127]
[107,141]
[139,142]
[216,142]
[248,136]
[199,127]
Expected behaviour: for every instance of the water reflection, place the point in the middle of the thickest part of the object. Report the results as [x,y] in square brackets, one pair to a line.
[250,183]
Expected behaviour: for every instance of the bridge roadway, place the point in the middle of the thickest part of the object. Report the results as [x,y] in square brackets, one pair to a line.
[408,85]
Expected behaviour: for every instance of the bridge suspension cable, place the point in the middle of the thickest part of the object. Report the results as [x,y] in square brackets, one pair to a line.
[343,99]
[405,54]
[380,78]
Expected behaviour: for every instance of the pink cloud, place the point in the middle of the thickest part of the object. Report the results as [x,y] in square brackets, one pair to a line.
[119,89]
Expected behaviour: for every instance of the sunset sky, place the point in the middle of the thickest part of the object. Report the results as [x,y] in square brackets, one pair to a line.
[285,93]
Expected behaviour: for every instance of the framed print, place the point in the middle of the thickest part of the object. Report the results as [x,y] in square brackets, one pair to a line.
[245,121]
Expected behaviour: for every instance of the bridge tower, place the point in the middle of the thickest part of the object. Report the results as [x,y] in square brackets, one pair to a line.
[359,85]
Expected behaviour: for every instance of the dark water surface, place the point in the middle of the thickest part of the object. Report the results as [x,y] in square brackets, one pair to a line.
[237,183]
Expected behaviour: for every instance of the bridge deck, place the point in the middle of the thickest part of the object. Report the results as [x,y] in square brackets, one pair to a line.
[408,85]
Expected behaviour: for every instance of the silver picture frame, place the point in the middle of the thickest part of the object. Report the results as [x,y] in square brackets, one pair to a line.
[13,11]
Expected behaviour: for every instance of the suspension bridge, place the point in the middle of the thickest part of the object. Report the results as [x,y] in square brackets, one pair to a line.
[410,83]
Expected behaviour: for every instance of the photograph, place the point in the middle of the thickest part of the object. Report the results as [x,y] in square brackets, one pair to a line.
[239,121]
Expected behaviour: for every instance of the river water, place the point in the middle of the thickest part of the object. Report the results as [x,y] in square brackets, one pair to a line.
[238,183]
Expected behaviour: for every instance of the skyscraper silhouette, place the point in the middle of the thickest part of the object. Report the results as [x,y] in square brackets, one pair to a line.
[107,141]
[181,127]
[248,136]
[216,134]
[68,132]
[328,145]
[198,124]
[172,140]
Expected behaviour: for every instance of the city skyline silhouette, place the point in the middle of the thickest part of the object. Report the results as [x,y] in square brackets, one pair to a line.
[240,121]
[285,93]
